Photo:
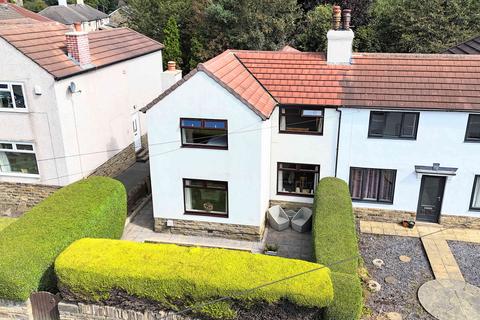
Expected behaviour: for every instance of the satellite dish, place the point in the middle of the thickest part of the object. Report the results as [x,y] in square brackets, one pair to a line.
[72,87]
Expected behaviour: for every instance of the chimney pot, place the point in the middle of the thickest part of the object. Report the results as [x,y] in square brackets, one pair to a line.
[347,16]
[171,66]
[78,26]
[337,17]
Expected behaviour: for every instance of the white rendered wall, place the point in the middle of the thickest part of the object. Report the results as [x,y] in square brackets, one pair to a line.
[302,148]
[241,165]
[440,139]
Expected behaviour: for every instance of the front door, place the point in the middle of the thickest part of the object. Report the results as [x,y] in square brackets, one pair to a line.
[430,199]
[137,137]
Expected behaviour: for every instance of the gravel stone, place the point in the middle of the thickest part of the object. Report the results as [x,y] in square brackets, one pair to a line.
[400,297]
[391,280]
[394,316]
[405,258]
[467,255]
[378,263]
[374,286]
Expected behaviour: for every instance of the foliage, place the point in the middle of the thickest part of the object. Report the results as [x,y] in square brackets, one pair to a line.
[6,221]
[95,207]
[313,36]
[348,299]
[219,310]
[34,5]
[169,274]
[333,232]
[171,42]
[359,8]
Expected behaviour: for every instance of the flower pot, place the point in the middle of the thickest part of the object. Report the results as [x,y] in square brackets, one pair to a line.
[405,223]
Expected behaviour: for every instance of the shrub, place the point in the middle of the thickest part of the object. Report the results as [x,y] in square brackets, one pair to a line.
[4,222]
[348,298]
[334,234]
[95,207]
[91,269]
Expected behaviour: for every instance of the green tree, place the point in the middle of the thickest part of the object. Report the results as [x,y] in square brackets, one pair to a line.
[312,35]
[34,5]
[171,41]
[197,53]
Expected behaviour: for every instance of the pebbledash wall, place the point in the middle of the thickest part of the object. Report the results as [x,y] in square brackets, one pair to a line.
[440,139]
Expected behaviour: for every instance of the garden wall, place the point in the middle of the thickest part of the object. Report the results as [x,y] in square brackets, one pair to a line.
[15,310]
[16,198]
[117,164]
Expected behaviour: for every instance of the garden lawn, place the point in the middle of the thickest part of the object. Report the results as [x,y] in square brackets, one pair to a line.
[5,221]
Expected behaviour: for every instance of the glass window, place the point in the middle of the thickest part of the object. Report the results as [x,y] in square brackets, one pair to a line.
[12,96]
[206,197]
[473,128]
[393,125]
[297,119]
[372,184]
[476,194]
[17,158]
[204,133]
[297,179]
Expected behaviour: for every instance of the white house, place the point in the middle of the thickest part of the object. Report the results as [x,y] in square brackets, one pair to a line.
[69,100]
[248,129]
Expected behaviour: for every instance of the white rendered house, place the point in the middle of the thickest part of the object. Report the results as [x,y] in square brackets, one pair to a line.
[69,100]
[248,129]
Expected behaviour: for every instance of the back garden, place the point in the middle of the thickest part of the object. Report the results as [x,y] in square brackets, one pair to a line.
[68,244]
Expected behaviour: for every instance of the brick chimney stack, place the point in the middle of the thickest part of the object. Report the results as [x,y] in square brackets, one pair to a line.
[78,47]
[3,1]
[340,38]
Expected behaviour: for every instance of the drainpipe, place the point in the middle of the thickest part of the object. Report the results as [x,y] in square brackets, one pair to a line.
[338,139]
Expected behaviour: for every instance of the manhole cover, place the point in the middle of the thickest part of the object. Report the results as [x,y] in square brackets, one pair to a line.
[450,300]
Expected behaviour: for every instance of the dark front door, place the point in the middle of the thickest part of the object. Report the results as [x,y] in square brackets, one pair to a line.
[430,199]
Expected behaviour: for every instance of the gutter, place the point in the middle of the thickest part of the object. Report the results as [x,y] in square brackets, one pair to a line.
[338,139]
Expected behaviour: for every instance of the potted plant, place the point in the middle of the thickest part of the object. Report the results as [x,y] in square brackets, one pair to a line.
[411,224]
[271,249]
[405,223]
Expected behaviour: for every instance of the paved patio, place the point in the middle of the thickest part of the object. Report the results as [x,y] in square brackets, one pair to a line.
[291,244]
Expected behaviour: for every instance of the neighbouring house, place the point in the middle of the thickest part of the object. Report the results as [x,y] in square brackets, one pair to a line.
[119,17]
[15,14]
[249,129]
[69,103]
[471,46]
[69,14]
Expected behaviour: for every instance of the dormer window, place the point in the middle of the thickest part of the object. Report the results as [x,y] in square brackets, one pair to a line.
[12,97]
[204,133]
[301,120]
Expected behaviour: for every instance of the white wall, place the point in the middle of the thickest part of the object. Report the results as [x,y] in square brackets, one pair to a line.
[241,165]
[301,148]
[440,139]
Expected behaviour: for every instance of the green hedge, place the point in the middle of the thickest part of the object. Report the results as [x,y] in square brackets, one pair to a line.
[91,268]
[335,239]
[333,230]
[95,207]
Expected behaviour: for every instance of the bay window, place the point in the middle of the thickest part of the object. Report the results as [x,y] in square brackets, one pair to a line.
[12,96]
[369,184]
[204,133]
[297,179]
[205,197]
[17,158]
[301,120]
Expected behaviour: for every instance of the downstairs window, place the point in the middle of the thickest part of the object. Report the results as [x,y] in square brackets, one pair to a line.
[17,158]
[376,185]
[297,179]
[205,197]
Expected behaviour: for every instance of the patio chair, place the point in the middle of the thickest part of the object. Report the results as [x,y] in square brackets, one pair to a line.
[277,218]
[302,221]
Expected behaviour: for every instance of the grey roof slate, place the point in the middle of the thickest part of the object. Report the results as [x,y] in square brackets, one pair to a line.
[73,13]
[471,46]
[6,13]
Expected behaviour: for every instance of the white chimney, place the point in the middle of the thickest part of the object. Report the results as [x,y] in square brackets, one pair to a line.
[62,3]
[78,46]
[19,3]
[171,76]
[340,40]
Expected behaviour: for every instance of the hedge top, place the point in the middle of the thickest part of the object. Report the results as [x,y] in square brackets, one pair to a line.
[91,268]
[95,207]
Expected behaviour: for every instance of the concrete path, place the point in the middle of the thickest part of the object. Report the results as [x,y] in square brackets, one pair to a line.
[134,175]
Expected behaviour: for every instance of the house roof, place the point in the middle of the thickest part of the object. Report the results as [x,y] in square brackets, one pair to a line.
[10,11]
[373,80]
[44,43]
[471,46]
[73,13]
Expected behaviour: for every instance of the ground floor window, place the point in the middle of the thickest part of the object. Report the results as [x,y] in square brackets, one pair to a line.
[206,197]
[372,184]
[297,179]
[475,204]
[17,158]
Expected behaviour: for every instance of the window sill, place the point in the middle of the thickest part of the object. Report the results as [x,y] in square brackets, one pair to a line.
[206,214]
[194,146]
[9,110]
[471,141]
[20,175]
[294,194]
[372,201]
[305,133]
[392,138]
[474,209]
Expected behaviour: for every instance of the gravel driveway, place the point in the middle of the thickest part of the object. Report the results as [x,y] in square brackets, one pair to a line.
[468,258]
[401,296]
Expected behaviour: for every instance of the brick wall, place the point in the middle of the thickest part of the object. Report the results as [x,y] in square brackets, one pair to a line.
[118,163]
[16,198]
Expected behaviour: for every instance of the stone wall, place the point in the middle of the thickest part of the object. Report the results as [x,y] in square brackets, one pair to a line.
[383,215]
[118,163]
[200,228]
[15,310]
[80,311]
[460,222]
[16,198]
[145,141]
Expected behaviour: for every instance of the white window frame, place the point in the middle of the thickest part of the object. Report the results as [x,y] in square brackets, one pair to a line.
[14,149]
[10,89]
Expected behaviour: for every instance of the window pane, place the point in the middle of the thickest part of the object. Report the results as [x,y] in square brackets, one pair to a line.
[6,146]
[207,137]
[473,132]
[387,185]
[18,162]
[356,183]
[409,125]
[371,180]
[296,119]
[376,123]
[24,147]
[300,182]
[476,194]
[393,122]
[5,99]
[3,86]
[312,113]
[19,98]
[214,124]
[206,200]
[191,123]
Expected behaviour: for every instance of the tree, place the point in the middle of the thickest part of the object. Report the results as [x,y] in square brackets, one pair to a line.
[197,53]
[360,8]
[34,5]
[313,34]
[171,42]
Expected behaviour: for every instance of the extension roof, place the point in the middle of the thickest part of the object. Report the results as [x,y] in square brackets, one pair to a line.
[10,11]
[45,44]
[471,46]
[73,13]
[373,80]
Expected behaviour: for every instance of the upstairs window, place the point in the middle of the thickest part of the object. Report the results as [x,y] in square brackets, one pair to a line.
[394,125]
[473,128]
[301,120]
[204,133]
[17,158]
[377,185]
[12,96]
[475,203]
[205,197]
[297,179]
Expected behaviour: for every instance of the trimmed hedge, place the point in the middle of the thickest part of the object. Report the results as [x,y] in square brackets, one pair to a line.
[91,269]
[333,230]
[95,207]
[335,239]
[4,222]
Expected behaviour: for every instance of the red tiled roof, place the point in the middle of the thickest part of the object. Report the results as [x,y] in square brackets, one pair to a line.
[44,43]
